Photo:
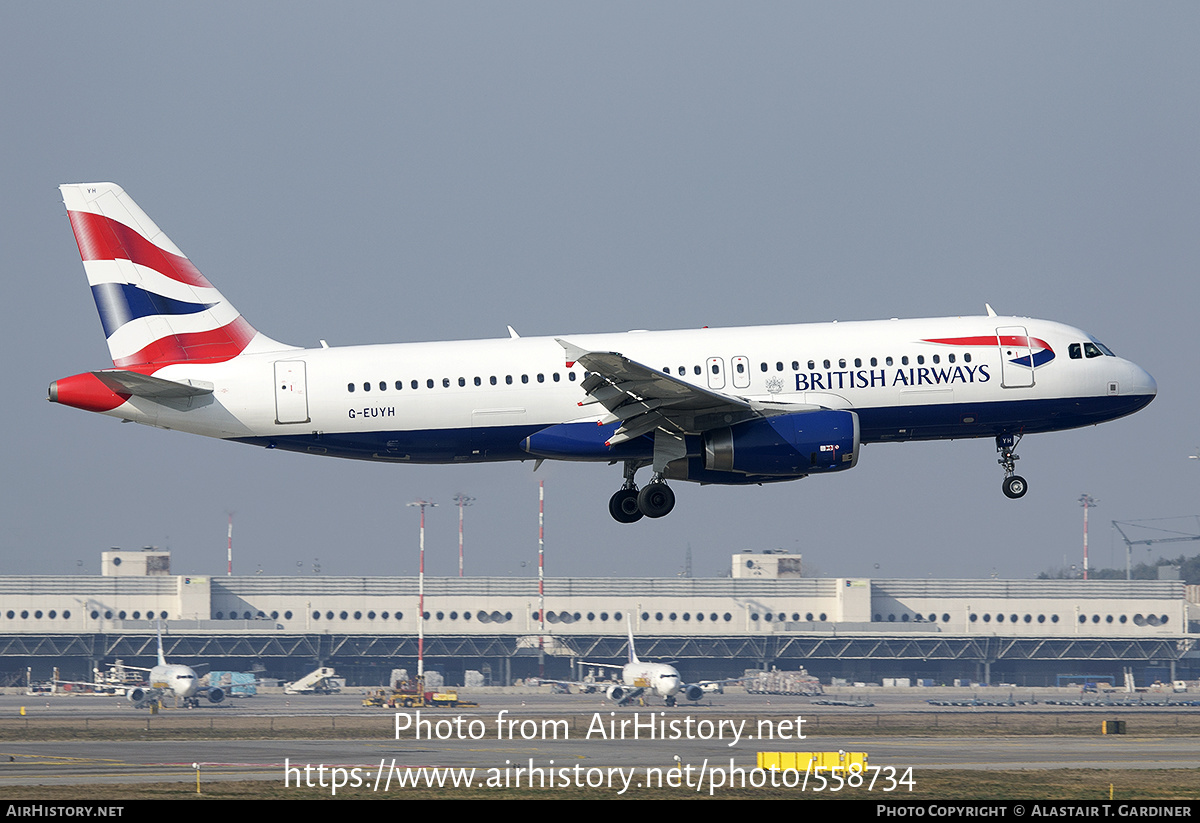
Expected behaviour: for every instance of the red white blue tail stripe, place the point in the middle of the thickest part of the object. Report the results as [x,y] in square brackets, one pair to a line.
[157,309]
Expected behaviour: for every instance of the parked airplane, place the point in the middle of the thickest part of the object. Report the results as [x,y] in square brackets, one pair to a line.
[175,680]
[725,406]
[639,677]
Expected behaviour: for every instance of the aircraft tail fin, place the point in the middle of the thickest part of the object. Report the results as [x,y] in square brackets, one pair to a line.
[157,309]
[632,654]
[162,660]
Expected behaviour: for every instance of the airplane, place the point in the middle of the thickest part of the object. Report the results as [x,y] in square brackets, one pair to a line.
[727,406]
[173,679]
[638,677]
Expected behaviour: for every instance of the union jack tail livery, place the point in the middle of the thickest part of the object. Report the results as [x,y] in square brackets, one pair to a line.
[735,406]
[157,309]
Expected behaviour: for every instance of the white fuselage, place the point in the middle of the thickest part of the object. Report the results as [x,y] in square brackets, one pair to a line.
[469,401]
[175,679]
[661,679]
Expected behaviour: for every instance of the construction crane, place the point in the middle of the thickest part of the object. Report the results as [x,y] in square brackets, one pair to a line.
[1176,536]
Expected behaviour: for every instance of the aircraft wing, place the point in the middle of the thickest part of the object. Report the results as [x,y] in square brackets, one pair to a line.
[646,399]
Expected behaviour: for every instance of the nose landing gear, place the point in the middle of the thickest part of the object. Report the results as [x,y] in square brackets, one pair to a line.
[1014,485]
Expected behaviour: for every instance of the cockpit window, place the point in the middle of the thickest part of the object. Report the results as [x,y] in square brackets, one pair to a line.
[1092,350]
[1103,348]
[1075,351]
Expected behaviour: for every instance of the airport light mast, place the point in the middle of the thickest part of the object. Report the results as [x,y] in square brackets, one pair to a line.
[541,577]
[1088,502]
[461,500]
[423,504]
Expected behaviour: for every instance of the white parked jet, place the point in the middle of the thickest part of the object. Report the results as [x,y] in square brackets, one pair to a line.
[639,678]
[175,680]
[725,406]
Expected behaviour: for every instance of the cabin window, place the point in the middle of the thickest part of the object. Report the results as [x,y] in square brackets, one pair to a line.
[556,377]
[697,370]
[904,360]
[350,386]
[920,360]
[874,362]
[524,378]
[826,362]
[858,362]
[795,365]
[682,371]
[741,367]
[937,359]
[571,375]
[508,379]
[382,386]
[445,382]
[950,357]
[889,361]
[366,386]
[811,365]
[492,379]
[429,383]
[415,384]
[541,378]
[967,357]
[399,385]
[761,366]
[716,369]
[779,366]
[478,381]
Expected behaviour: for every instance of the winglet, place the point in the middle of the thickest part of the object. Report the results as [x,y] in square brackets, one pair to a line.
[991,312]
[513,333]
[573,352]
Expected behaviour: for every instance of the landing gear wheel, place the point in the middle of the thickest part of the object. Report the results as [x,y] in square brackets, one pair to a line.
[656,500]
[1015,487]
[623,506]
[670,701]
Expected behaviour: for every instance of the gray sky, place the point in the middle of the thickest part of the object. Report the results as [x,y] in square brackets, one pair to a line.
[400,172]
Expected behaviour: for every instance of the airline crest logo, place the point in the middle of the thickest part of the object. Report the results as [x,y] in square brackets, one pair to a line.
[1039,350]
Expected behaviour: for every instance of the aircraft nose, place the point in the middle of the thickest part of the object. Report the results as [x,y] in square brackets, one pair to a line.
[1141,381]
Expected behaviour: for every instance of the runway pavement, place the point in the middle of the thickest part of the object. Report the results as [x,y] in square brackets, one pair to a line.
[532,731]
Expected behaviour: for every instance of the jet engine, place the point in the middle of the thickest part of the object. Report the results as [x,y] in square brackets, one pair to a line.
[794,445]
[140,696]
[693,692]
[215,694]
[622,694]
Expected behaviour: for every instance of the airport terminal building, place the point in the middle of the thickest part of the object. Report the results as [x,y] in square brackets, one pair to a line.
[1027,632]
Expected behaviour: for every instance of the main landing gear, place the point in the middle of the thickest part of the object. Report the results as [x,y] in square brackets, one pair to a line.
[1014,485]
[629,504]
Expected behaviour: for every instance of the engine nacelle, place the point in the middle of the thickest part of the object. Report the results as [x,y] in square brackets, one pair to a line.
[617,694]
[693,692]
[136,695]
[792,445]
[215,694]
